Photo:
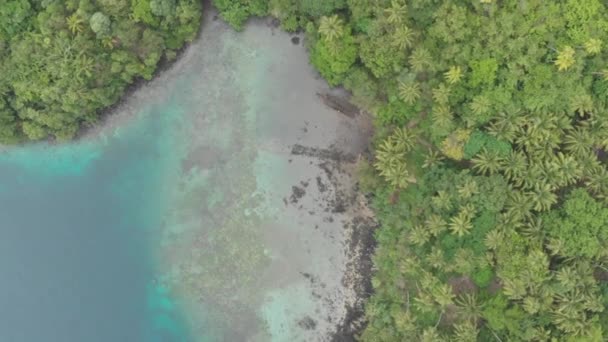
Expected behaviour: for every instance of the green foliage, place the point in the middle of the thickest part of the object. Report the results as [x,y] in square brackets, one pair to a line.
[483,277]
[317,8]
[493,213]
[236,12]
[15,17]
[480,140]
[483,72]
[509,203]
[100,24]
[64,61]
[391,158]
[162,7]
[584,222]
[333,58]
[363,87]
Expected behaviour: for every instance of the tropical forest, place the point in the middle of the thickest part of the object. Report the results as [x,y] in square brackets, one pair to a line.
[488,170]
[489,173]
[62,62]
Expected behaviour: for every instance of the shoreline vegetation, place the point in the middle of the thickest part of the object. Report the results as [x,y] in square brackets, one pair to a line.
[489,177]
[66,64]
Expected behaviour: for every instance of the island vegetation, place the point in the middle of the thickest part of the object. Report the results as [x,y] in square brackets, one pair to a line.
[489,176]
[62,61]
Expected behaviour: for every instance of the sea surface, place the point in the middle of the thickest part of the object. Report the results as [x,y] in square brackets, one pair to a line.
[175,218]
[78,223]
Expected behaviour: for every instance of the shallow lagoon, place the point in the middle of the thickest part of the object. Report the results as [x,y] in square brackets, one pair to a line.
[186,216]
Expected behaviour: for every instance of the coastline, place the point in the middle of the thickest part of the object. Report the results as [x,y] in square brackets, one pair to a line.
[342,203]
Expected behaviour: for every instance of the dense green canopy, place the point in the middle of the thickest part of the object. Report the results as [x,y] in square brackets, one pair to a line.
[490,175]
[63,61]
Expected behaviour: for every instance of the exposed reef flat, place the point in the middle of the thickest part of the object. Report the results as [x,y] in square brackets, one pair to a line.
[264,237]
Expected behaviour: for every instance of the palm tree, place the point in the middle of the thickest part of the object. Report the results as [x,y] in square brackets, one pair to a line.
[453,75]
[396,174]
[515,289]
[578,141]
[403,37]
[409,92]
[389,161]
[390,158]
[582,104]
[468,189]
[419,236]
[565,58]
[514,165]
[542,197]
[531,175]
[425,302]
[597,128]
[75,23]
[505,126]
[405,321]
[597,182]
[435,224]
[460,224]
[108,42]
[468,210]
[441,94]
[533,229]
[396,13]
[443,118]
[531,305]
[433,158]
[519,205]
[487,162]
[442,201]
[83,66]
[556,246]
[567,277]
[463,261]
[593,303]
[404,139]
[435,258]
[465,332]
[593,46]
[430,334]
[480,105]
[469,307]
[568,170]
[331,28]
[571,318]
[549,171]
[494,239]
[443,295]
[420,59]
[588,163]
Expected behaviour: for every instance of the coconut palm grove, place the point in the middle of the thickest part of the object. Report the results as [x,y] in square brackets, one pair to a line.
[489,167]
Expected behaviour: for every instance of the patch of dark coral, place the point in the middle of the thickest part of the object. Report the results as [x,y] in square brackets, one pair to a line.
[322,187]
[296,194]
[362,245]
[322,153]
[340,104]
[307,323]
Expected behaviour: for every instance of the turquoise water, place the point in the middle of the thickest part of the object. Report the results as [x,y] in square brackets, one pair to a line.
[78,228]
[173,221]
[96,234]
